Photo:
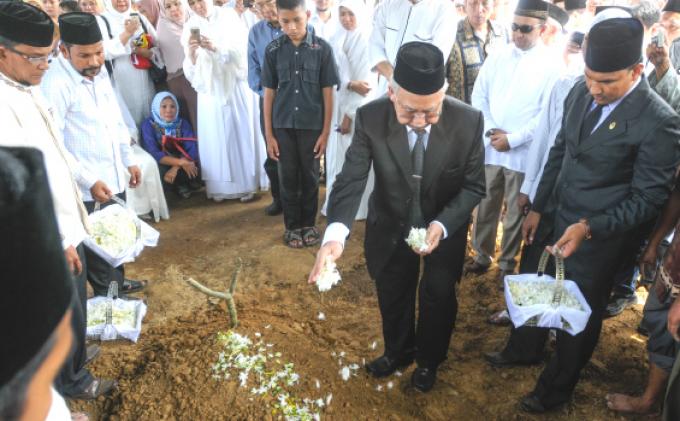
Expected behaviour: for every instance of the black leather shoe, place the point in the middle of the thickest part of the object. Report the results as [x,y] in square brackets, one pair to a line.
[274,209]
[384,366]
[423,379]
[498,359]
[532,404]
[98,387]
[91,352]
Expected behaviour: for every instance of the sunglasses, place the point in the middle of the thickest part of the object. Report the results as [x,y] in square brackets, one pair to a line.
[524,29]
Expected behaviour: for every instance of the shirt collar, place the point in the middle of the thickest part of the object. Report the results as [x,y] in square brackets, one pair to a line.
[612,105]
[410,129]
[309,39]
[71,72]
[14,84]
[492,30]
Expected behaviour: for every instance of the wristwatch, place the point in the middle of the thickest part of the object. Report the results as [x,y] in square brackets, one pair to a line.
[586,224]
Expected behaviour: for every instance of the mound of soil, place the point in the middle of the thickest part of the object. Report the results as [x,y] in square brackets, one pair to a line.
[168,374]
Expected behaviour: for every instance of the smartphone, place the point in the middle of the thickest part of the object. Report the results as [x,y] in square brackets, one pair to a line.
[196,33]
[490,132]
[134,17]
[659,39]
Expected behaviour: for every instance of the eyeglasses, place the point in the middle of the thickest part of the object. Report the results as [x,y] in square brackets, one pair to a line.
[426,114]
[33,59]
[525,29]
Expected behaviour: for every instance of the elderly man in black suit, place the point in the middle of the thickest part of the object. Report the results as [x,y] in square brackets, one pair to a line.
[427,153]
[610,171]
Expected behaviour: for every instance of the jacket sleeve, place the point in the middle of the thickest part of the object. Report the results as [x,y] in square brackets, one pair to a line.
[653,171]
[459,208]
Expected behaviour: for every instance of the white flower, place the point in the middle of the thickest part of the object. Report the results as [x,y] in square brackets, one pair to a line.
[528,293]
[416,239]
[113,230]
[390,385]
[379,388]
[317,383]
[258,334]
[345,373]
[243,378]
[329,276]
[329,398]
[319,402]
[374,345]
[397,373]
[354,367]
[321,316]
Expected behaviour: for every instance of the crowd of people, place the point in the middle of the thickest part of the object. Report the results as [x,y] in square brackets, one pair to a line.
[559,121]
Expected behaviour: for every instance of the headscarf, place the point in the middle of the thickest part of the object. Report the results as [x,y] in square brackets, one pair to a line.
[169,35]
[362,14]
[170,128]
[153,8]
[116,19]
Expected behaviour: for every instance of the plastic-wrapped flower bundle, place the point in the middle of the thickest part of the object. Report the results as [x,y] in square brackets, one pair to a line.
[113,231]
[123,314]
[329,276]
[417,239]
[533,293]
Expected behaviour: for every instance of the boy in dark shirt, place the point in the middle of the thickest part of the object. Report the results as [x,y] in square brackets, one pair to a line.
[298,75]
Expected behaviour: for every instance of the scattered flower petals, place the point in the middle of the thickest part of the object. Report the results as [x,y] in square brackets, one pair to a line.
[345,373]
[390,385]
[258,334]
[374,345]
[329,276]
[416,239]
[379,388]
[317,383]
[329,398]
[397,373]
[321,316]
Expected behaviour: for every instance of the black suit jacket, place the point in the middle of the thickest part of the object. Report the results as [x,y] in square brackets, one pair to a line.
[618,178]
[452,184]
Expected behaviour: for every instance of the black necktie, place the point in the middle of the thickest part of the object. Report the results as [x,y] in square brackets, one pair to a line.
[590,121]
[417,160]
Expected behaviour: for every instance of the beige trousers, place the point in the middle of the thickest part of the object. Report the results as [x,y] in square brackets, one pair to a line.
[501,183]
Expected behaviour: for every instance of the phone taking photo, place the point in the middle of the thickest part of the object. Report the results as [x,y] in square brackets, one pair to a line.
[195,33]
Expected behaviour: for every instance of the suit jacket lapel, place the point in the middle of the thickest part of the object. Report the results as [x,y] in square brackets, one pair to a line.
[397,142]
[434,154]
[617,122]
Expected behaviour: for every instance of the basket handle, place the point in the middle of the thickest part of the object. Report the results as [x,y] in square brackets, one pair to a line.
[114,198]
[559,275]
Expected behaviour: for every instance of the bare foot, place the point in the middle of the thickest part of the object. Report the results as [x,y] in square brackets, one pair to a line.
[629,404]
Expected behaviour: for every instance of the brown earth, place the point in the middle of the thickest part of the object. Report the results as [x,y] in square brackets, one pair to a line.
[167,375]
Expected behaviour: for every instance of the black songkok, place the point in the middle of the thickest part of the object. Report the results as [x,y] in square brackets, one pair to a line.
[420,68]
[79,28]
[25,24]
[672,6]
[557,13]
[38,289]
[570,5]
[614,44]
[532,9]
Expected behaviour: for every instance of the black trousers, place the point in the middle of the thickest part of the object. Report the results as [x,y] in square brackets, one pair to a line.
[526,344]
[74,377]
[271,167]
[299,176]
[100,274]
[427,337]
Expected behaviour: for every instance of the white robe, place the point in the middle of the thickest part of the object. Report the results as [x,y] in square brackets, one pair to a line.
[225,103]
[134,85]
[351,50]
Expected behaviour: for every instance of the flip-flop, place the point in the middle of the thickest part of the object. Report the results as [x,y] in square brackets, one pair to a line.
[310,236]
[293,239]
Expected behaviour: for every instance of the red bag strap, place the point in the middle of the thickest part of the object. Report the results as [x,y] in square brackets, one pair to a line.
[175,142]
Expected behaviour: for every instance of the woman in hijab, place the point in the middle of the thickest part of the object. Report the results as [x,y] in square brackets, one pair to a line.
[215,64]
[151,9]
[173,15]
[357,88]
[134,84]
[177,160]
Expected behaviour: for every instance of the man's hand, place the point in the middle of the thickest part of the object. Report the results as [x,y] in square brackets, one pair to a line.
[570,242]
[523,203]
[273,148]
[648,259]
[331,248]
[529,227]
[135,176]
[101,192]
[434,235]
[346,125]
[674,319]
[359,86]
[660,58]
[320,145]
[499,141]
[73,261]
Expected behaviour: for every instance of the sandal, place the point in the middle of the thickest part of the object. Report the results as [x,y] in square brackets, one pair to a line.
[311,236]
[293,239]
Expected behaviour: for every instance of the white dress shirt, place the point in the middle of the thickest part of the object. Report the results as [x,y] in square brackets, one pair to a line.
[397,22]
[337,231]
[26,122]
[510,90]
[87,114]
[326,30]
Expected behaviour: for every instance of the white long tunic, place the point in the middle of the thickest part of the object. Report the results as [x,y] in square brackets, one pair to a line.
[225,117]
[510,90]
[351,52]
[26,122]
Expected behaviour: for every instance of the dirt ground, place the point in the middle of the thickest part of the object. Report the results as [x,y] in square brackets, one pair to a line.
[167,375]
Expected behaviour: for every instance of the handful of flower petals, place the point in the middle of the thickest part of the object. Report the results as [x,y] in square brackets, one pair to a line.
[417,239]
[329,276]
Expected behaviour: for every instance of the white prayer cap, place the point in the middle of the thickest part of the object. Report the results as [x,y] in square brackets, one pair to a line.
[609,13]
